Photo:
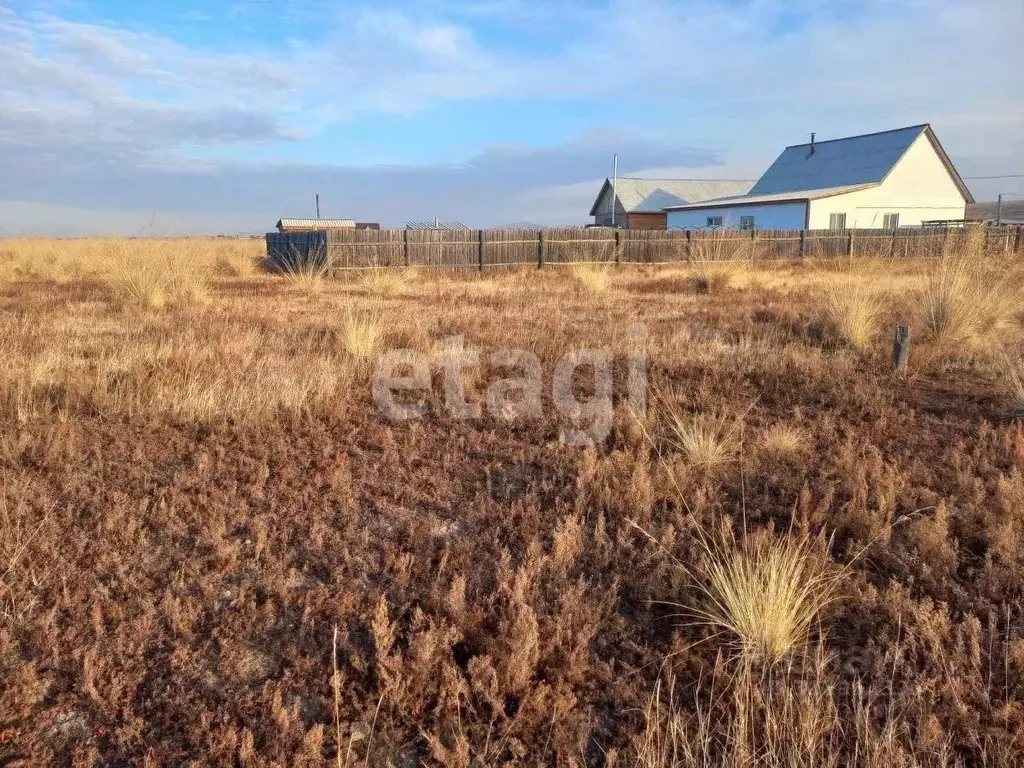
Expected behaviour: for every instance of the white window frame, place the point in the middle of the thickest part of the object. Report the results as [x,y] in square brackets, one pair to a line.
[747,222]
[714,221]
[837,222]
[890,221]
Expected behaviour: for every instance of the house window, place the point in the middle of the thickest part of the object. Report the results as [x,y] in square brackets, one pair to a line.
[837,222]
[890,221]
[714,221]
[746,222]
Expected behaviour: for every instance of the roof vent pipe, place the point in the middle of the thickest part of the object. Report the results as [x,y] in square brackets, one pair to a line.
[812,145]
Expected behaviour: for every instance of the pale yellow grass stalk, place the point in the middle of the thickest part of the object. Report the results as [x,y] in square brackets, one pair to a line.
[363,333]
[853,309]
[784,439]
[238,260]
[386,281]
[306,273]
[706,440]
[1010,372]
[717,261]
[967,298]
[153,278]
[765,593]
[595,278]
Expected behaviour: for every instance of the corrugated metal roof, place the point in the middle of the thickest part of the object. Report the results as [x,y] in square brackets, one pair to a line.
[437,224]
[317,223]
[780,197]
[654,195]
[863,159]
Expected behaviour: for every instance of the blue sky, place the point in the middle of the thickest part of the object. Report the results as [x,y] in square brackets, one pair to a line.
[221,116]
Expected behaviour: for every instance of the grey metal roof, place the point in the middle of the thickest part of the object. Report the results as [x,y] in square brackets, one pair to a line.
[317,223]
[437,224]
[865,159]
[779,197]
[654,195]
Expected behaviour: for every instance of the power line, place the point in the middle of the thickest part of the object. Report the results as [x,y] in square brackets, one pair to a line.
[1009,176]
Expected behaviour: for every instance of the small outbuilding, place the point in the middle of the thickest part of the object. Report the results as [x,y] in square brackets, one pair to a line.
[641,203]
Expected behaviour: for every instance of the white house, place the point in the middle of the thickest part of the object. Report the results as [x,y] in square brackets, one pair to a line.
[881,180]
[641,203]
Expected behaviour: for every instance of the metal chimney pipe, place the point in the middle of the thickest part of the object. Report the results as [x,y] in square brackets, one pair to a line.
[812,142]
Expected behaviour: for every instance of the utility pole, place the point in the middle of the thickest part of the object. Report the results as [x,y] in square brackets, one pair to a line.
[318,205]
[615,184]
[999,210]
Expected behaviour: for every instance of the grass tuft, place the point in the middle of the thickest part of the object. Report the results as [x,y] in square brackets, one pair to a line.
[765,592]
[595,278]
[784,439]
[386,281]
[707,440]
[363,333]
[853,309]
[967,298]
[154,280]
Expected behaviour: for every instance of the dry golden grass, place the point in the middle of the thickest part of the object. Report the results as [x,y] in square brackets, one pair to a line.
[595,278]
[363,333]
[706,440]
[1010,373]
[970,298]
[784,439]
[853,309]
[142,278]
[766,593]
[385,282]
[216,469]
[718,263]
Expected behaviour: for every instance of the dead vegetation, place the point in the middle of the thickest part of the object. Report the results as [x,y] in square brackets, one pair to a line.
[214,548]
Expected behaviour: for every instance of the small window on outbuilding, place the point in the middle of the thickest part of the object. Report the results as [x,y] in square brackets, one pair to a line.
[837,222]
[890,221]
[714,221]
[746,222]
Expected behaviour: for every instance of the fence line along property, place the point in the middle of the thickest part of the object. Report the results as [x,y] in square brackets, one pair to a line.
[482,248]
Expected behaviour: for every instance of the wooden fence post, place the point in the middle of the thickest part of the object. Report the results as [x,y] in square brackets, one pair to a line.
[618,245]
[892,244]
[1016,241]
[689,247]
[480,249]
[405,246]
[849,244]
[901,348]
[540,249]
[803,243]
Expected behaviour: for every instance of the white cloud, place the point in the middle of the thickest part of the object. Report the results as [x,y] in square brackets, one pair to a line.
[94,106]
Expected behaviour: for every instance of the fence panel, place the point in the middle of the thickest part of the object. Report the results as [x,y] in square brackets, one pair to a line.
[354,249]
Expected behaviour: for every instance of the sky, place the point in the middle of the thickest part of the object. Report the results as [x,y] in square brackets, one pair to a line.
[213,116]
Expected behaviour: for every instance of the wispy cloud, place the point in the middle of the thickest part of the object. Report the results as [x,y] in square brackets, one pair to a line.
[95,112]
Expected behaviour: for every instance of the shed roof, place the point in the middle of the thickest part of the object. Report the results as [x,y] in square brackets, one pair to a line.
[654,195]
[317,223]
[438,224]
[864,159]
[779,197]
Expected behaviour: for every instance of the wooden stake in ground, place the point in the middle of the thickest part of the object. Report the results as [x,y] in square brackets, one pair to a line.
[901,348]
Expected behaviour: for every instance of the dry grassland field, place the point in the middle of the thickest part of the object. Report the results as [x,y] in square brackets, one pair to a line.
[216,549]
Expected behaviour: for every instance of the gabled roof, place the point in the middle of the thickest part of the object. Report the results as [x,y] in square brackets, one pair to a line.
[654,195]
[317,223]
[865,159]
[779,197]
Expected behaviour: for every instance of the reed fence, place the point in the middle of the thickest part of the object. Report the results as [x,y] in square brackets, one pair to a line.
[486,248]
